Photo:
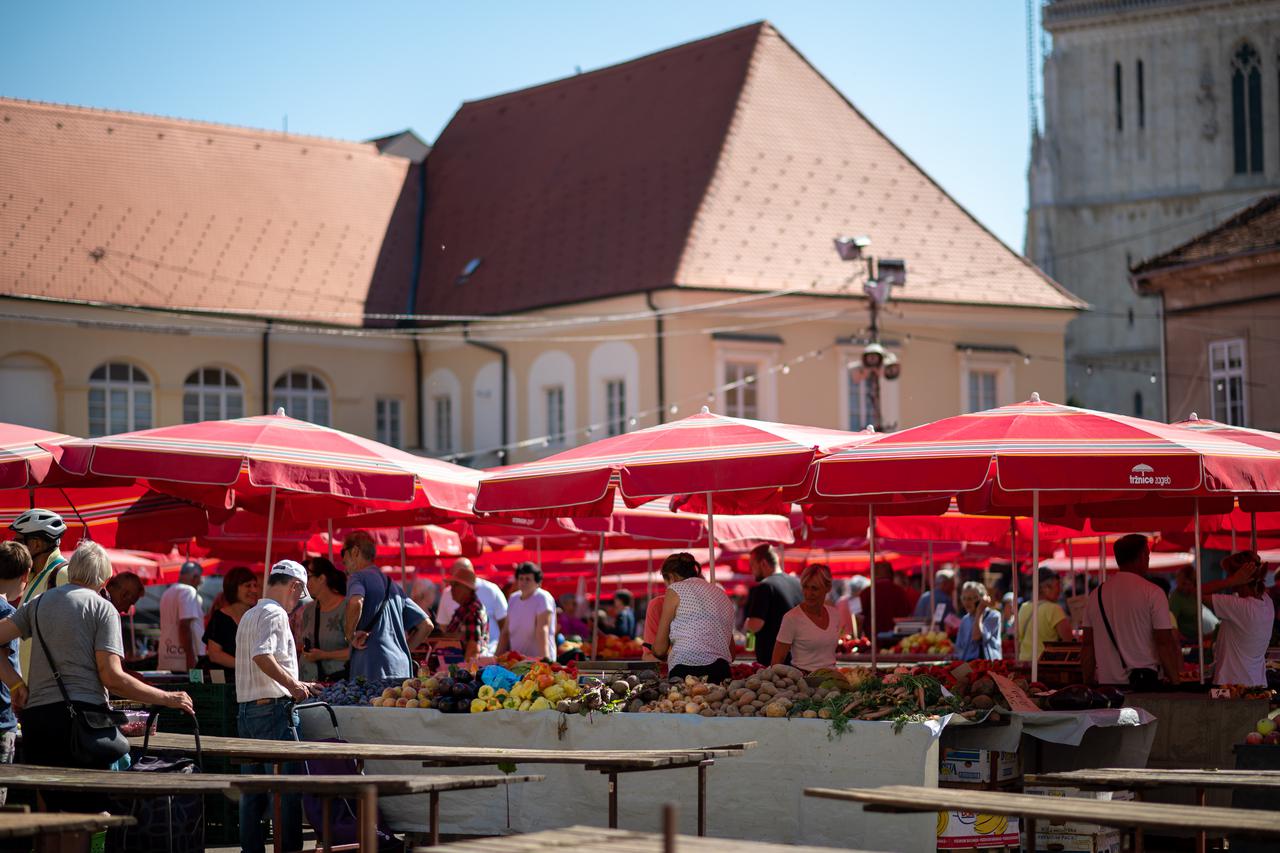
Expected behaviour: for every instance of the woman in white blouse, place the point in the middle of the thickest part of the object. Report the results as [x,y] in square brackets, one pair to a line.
[810,630]
[695,632]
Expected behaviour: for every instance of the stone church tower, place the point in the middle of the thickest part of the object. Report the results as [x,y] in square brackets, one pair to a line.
[1161,119]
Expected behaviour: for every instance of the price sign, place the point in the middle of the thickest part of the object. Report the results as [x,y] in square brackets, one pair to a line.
[1013,694]
[939,612]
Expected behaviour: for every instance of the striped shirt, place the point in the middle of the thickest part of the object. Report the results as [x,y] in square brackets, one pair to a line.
[703,625]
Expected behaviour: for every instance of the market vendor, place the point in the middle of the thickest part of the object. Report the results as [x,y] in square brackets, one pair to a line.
[1246,618]
[979,634]
[1053,621]
[810,630]
[695,631]
[469,626]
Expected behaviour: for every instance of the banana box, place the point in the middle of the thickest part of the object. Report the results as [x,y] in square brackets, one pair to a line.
[1076,827]
[978,765]
[1079,842]
[961,830]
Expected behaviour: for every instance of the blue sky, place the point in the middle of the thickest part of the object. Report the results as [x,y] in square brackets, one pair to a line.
[945,80]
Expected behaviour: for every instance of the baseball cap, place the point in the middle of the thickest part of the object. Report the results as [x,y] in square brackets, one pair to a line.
[293,569]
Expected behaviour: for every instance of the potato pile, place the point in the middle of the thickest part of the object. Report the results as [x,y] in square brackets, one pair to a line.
[771,692]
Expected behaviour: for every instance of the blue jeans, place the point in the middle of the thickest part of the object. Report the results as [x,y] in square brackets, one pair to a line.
[275,721]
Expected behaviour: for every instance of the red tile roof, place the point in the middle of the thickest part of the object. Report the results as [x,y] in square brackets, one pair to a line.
[1256,228]
[141,210]
[728,162]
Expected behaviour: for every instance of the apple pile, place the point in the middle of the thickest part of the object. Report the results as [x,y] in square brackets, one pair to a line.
[1266,731]
[925,643]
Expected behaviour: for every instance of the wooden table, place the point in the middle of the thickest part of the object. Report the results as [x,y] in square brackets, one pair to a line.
[594,839]
[65,827]
[1126,815]
[609,762]
[366,789]
[1139,779]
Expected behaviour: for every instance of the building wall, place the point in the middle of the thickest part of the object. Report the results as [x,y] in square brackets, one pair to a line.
[1105,197]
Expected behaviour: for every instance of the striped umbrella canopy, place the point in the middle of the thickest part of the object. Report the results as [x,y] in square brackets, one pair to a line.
[705,453]
[320,471]
[25,457]
[123,516]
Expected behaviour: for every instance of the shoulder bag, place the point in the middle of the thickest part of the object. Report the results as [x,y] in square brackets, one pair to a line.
[95,732]
[1143,678]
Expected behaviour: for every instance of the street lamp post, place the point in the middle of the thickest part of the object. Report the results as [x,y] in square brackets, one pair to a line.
[882,275]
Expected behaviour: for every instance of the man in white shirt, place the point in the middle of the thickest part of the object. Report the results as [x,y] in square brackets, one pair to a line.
[1240,652]
[490,595]
[181,621]
[531,617]
[267,686]
[1141,634]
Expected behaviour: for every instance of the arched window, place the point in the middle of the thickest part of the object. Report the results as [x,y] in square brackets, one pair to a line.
[302,395]
[119,399]
[1246,109]
[211,394]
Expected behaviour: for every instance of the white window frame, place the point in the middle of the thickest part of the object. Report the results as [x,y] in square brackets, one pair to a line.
[1225,375]
[388,418]
[553,399]
[1001,364]
[764,356]
[300,403]
[138,382]
[230,388]
[615,406]
[849,362]
[442,424]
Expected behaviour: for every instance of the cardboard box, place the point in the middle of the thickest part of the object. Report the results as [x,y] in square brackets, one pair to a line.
[978,765]
[960,830]
[1075,842]
[1076,827]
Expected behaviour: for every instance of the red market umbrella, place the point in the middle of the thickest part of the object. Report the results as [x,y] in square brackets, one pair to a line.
[1048,453]
[318,472]
[25,456]
[122,516]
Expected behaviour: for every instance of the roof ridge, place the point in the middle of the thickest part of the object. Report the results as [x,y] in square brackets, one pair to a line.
[1257,207]
[618,66]
[102,113]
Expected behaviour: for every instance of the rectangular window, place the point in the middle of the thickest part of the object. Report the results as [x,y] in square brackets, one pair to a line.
[555,415]
[1142,97]
[442,412]
[741,395]
[982,390]
[1119,97]
[860,404]
[615,401]
[388,418]
[1228,382]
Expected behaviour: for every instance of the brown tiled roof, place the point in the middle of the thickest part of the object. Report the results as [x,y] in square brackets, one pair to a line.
[1255,228]
[139,210]
[728,162]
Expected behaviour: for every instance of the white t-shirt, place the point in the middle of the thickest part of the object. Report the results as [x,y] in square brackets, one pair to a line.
[522,618]
[811,647]
[495,604]
[263,630]
[180,601]
[1243,635]
[1135,608]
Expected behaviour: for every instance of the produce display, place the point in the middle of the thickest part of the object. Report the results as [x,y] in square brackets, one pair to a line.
[1266,731]
[925,643]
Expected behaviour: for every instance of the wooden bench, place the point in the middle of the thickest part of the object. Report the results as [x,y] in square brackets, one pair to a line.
[612,763]
[56,831]
[1139,779]
[594,839]
[364,788]
[1124,815]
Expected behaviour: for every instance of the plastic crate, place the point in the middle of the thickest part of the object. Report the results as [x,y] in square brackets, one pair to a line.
[216,710]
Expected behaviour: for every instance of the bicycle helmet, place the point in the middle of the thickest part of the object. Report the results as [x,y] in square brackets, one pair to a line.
[45,522]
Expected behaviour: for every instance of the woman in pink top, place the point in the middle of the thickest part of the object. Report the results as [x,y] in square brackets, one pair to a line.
[810,630]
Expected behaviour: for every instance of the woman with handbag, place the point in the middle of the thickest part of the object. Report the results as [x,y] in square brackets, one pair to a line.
[76,657]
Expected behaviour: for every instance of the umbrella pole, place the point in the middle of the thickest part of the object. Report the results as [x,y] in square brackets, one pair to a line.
[1102,557]
[404,568]
[649,578]
[271,523]
[1013,581]
[329,524]
[933,589]
[1253,531]
[711,537]
[1199,598]
[871,548]
[1035,584]
[595,615]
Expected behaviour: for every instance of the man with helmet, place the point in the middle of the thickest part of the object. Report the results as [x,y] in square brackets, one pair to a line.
[41,531]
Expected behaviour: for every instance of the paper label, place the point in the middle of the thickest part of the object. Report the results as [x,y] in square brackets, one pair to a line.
[939,612]
[1013,694]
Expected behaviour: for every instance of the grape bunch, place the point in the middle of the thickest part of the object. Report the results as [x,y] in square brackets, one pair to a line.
[357,691]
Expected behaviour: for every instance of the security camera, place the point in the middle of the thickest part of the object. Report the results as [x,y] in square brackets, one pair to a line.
[892,370]
[873,355]
[850,248]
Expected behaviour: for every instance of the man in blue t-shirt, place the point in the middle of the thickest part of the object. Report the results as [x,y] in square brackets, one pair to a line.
[382,623]
[15,569]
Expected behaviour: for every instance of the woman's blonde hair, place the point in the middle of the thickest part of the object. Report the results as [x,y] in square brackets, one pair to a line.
[89,565]
[822,570]
[974,587]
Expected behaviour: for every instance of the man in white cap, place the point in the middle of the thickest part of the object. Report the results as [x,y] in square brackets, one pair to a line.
[267,687]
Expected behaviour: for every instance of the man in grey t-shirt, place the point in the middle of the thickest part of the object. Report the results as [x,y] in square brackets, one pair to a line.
[75,623]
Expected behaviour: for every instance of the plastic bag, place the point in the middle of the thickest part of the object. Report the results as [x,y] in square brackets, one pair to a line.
[497,677]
